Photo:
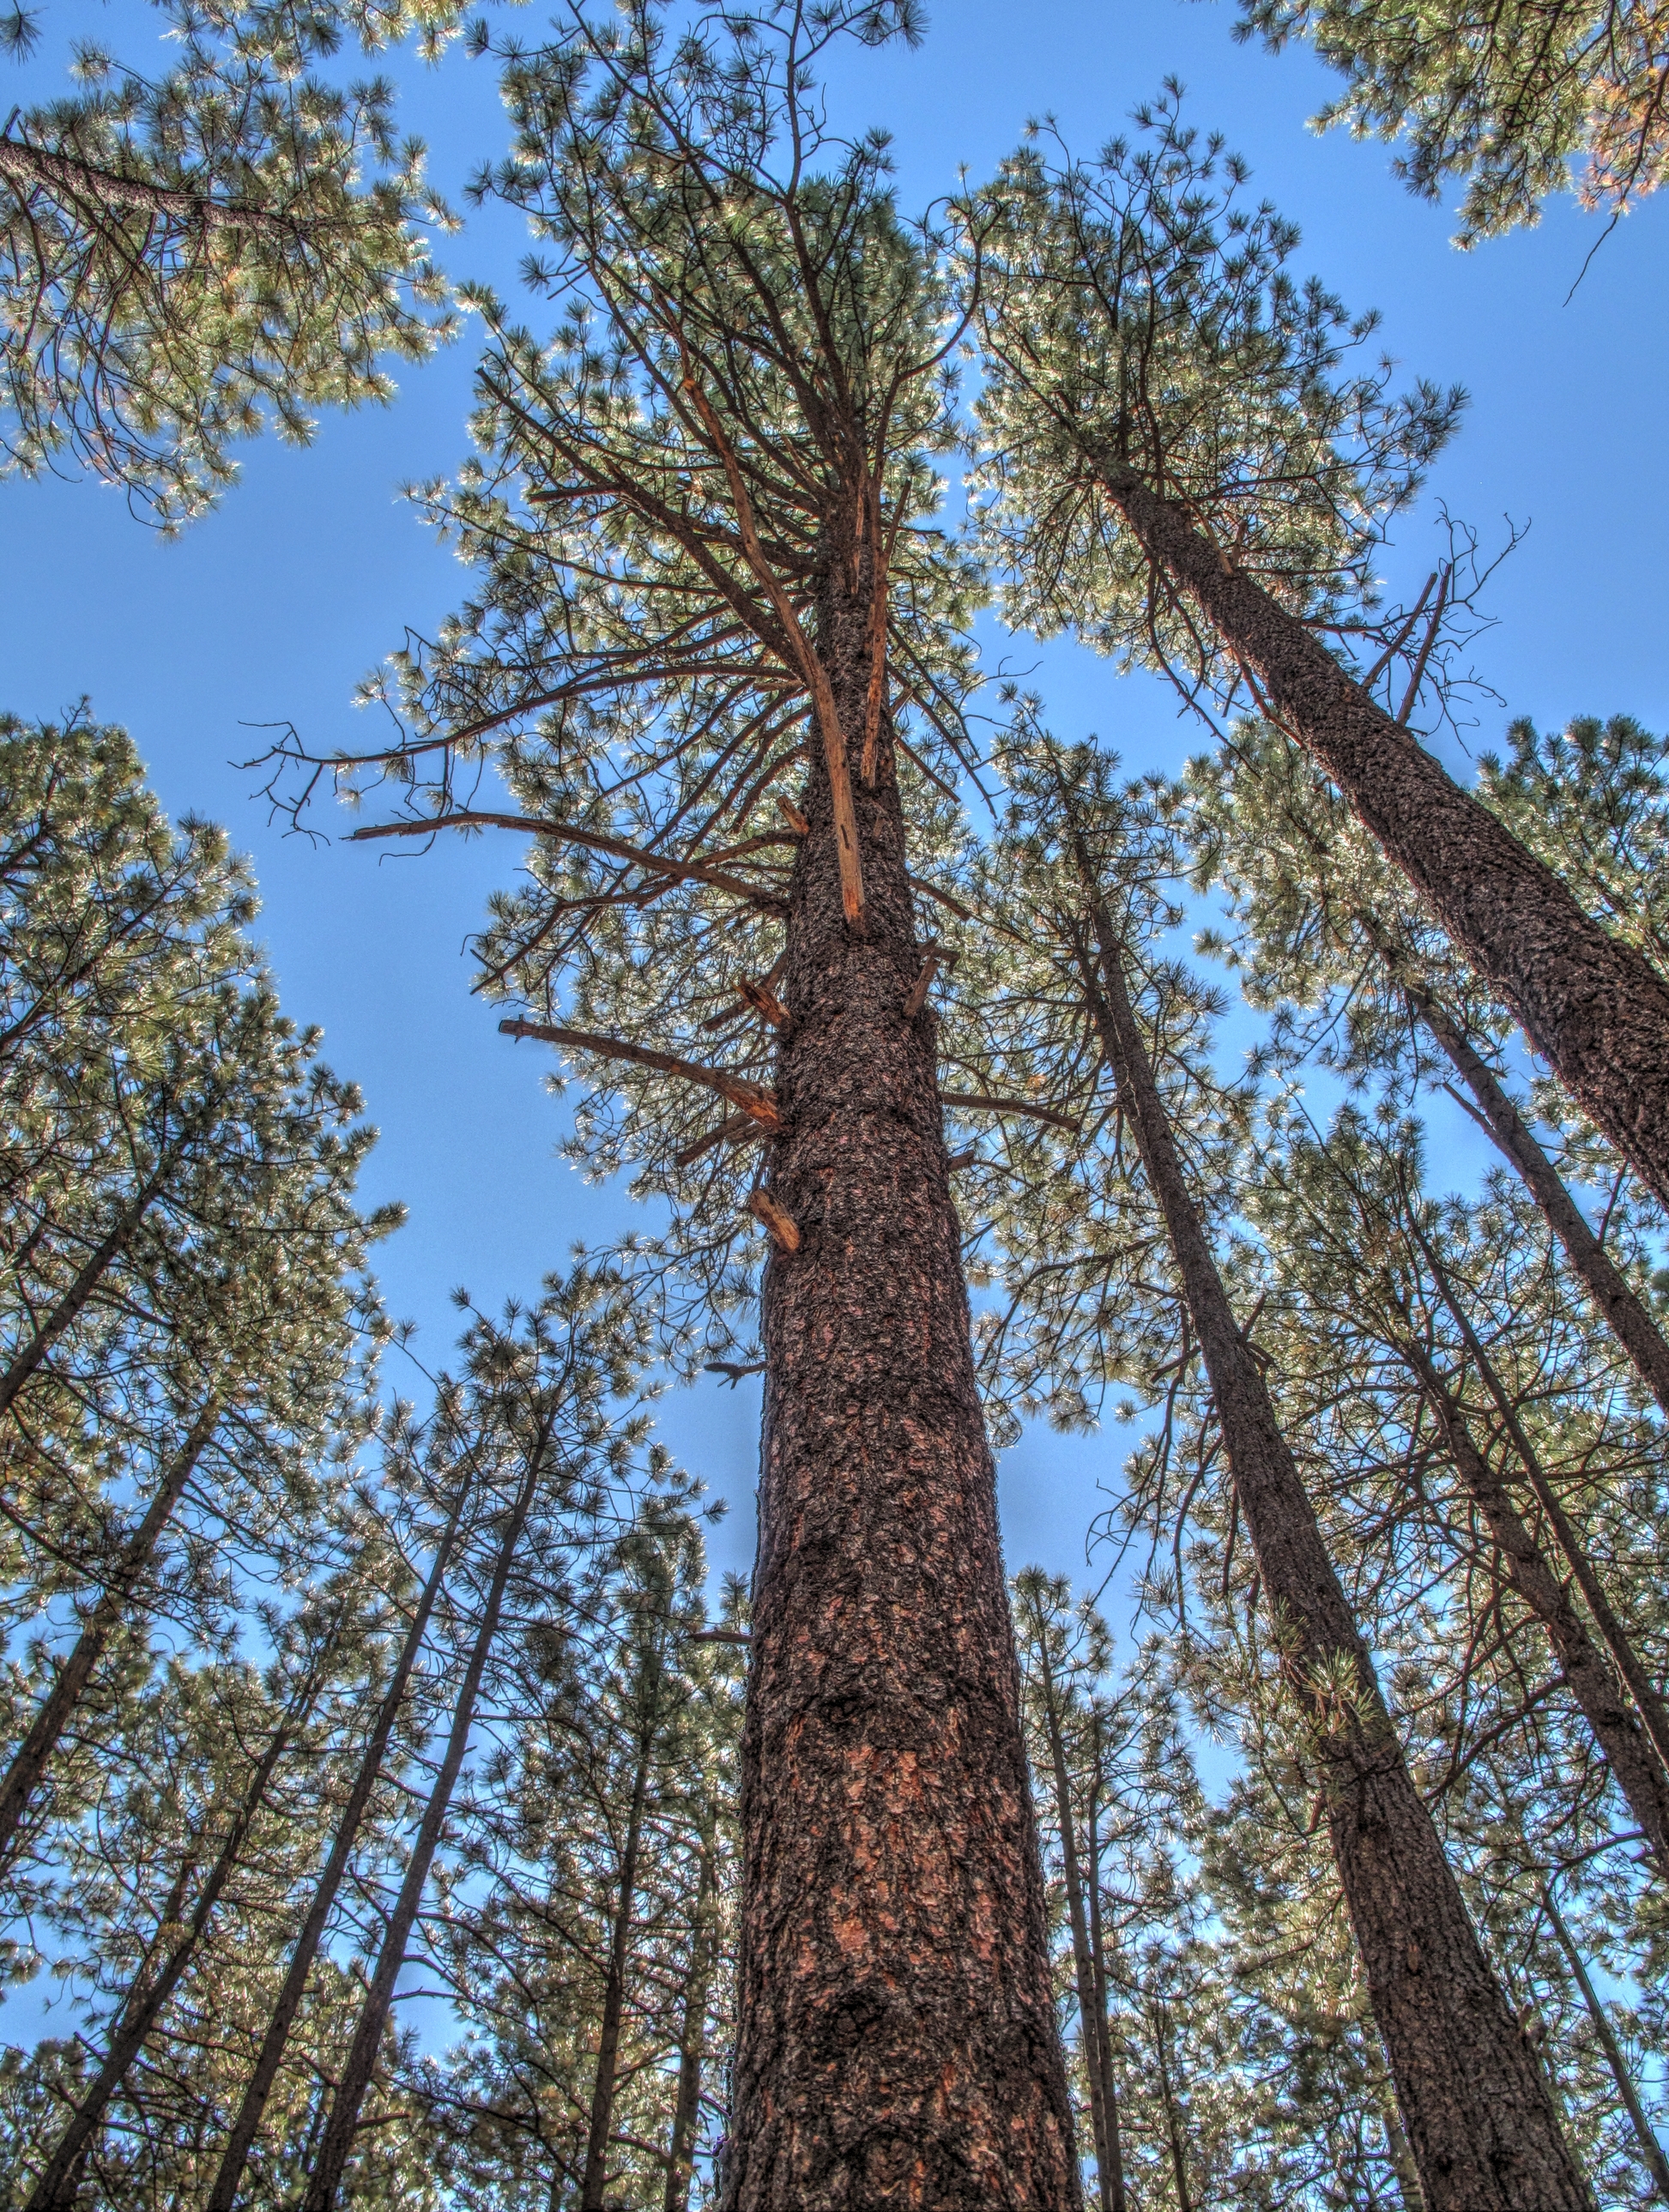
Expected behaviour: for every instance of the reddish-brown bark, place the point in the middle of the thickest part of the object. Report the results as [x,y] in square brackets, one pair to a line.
[897,2043]
[1593,1006]
[1481,2125]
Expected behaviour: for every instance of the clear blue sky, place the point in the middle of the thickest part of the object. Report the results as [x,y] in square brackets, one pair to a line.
[269,611]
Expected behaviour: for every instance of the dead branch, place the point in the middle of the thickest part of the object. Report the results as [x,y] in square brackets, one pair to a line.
[758,1104]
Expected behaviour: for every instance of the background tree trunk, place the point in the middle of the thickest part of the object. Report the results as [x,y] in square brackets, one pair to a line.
[1595,1008]
[1484,2132]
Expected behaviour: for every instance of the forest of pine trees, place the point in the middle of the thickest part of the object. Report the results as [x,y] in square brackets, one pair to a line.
[396,1808]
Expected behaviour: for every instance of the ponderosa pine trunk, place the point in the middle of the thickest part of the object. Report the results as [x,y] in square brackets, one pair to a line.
[1089,2023]
[897,2043]
[1651,2150]
[57,2186]
[29,1761]
[1103,2017]
[325,2179]
[1648,1702]
[1594,1008]
[1616,1300]
[1484,2132]
[692,2038]
[287,2003]
[593,2179]
[1590,1681]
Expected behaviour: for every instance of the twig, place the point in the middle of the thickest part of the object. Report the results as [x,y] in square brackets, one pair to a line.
[967,1101]
[593,840]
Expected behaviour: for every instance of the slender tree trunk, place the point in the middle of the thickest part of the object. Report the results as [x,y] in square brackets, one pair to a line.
[29,1761]
[1083,1972]
[1613,1295]
[1651,2150]
[1484,2132]
[897,2043]
[1595,1008]
[259,2088]
[326,2176]
[92,1270]
[1614,1636]
[692,2041]
[1103,2017]
[593,2179]
[55,2189]
[1175,2135]
[1627,1749]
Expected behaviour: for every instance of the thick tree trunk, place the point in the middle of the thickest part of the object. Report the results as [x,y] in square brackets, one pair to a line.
[1619,1305]
[1634,1765]
[692,2042]
[29,1761]
[1083,1971]
[1617,1640]
[1651,2150]
[56,2189]
[1595,1008]
[356,2079]
[595,2178]
[896,2041]
[1484,2135]
[269,2057]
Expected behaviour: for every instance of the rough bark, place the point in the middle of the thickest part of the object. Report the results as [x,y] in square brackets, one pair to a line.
[54,2190]
[1617,1640]
[1634,1765]
[897,2042]
[1594,1008]
[595,2178]
[1616,1302]
[287,2003]
[1651,2150]
[692,2042]
[1089,2022]
[325,2179]
[28,1764]
[1483,2133]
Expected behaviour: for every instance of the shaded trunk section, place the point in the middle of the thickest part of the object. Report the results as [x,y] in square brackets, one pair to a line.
[1595,1008]
[1089,2015]
[897,2043]
[1615,1299]
[594,2177]
[28,1764]
[1651,2150]
[692,2041]
[1629,1665]
[1115,2175]
[269,2057]
[334,2153]
[1483,2133]
[1638,1773]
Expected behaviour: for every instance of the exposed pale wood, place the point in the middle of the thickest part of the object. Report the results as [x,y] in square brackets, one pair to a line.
[791,814]
[758,1104]
[921,987]
[783,1228]
[764,1002]
[811,668]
